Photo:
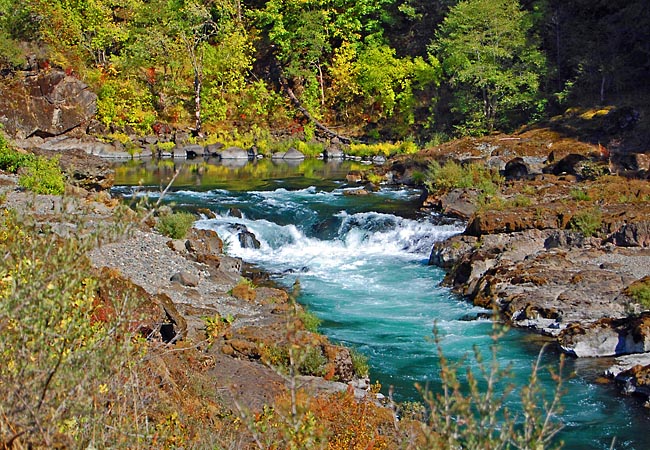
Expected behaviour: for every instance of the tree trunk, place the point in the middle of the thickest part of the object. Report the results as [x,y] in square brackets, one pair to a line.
[197,101]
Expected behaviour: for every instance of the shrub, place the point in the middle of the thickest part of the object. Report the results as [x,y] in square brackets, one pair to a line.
[588,222]
[43,176]
[175,225]
[312,361]
[10,159]
[452,175]
[40,175]
[470,412]
[639,291]
[360,363]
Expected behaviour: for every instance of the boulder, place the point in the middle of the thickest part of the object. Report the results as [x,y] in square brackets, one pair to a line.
[636,234]
[607,337]
[234,153]
[214,149]
[448,253]
[185,279]
[459,203]
[570,164]
[49,103]
[516,169]
[201,241]
[333,152]
[248,240]
[192,151]
[292,153]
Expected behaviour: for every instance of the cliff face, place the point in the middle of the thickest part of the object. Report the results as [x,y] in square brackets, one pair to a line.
[47,103]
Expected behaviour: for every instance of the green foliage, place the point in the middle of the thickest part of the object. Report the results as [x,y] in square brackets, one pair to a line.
[216,326]
[493,64]
[175,225]
[43,176]
[10,159]
[588,222]
[382,148]
[312,361]
[39,174]
[123,102]
[579,195]
[640,292]
[452,175]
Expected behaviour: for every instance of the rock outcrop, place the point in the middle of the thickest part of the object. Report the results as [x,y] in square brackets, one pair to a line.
[47,103]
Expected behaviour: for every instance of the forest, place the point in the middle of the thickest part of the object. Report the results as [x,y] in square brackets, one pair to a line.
[416,70]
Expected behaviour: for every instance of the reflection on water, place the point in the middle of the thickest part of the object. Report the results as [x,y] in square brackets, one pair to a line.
[234,175]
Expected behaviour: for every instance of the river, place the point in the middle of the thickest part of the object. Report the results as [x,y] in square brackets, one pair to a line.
[362,266]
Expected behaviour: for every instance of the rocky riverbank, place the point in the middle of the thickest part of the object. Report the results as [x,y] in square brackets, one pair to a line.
[563,247]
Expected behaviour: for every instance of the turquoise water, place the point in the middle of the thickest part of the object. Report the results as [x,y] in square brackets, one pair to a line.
[362,265]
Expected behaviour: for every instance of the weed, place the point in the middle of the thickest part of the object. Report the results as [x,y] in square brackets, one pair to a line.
[39,174]
[312,361]
[217,326]
[43,176]
[468,412]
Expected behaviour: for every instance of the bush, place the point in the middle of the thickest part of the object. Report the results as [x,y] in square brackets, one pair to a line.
[40,175]
[469,412]
[175,225]
[588,222]
[360,363]
[43,176]
[579,195]
[452,175]
[639,291]
[12,160]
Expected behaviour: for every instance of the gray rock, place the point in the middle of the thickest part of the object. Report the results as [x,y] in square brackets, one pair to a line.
[234,153]
[516,169]
[333,152]
[565,239]
[193,150]
[635,234]
[214,149]
[607,337]
[292,153]
[185,279]
[248,240]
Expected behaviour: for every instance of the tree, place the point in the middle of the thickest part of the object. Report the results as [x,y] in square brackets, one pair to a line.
[492,62]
